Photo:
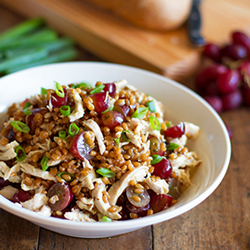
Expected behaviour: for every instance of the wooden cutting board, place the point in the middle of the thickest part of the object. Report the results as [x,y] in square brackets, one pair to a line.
[114,40]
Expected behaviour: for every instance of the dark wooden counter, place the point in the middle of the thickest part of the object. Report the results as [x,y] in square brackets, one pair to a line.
[220,222]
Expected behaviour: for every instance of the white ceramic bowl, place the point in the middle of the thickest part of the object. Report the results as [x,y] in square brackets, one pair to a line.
[181,104]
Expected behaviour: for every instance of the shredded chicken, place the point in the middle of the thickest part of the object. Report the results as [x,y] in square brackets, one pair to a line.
[138,174]
[36,202]
[78,112]
[91,124]
[87,181]
[45,211]
[8,192]
[6,172]
[87,204]
[77,215]
[192,131]
[160,186]
[29,169]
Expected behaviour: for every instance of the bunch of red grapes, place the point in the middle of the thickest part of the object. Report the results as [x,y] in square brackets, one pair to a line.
[225,84]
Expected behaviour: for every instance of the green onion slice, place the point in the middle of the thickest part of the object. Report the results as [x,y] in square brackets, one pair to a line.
[124,136]
[154,122]
[71,175]
[81,85]
[73,129]
[140,113]
[97,89]
[43,91]
[108,109]
[22,156]
[151,106]
[106,172]
[172,146]
[169,124]
[117,140]
[44,162]
[59,89]
[20,126]
[62,134]
[156,159]
[65,110]
[106,219]
[26,109]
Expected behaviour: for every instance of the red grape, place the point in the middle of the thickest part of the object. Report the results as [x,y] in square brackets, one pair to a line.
[30,119]
[234,52]
[100,102]
[241,39]
[160,202]
[111,119]
[144,197]
[215,102]
[124,109]
[163,168]
[3,182]
[212,51]
[140,211]
[175,131]
[244,69]
[211,89]
[21,196]
[174,188]
[79,148]
[228,81]
[232,100]
[58,101]
[64,195]
[111,88]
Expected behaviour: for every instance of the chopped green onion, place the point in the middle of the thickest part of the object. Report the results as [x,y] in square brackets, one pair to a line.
[106,172]
[108,109]
[44,162]
[81,85]
[124,136]
[140,113]
[156,159]
[20,126]
[43,91]
[151,106]
[117,140]
[62,134]
[65,110]
[172,146]
[154,122]
[73,129]
[26,109]
[169,124]
[97,89]
[59,89]
[18,156]
[71,175]
[106,219]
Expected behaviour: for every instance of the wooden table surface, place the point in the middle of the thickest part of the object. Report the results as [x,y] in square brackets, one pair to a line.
[221,222]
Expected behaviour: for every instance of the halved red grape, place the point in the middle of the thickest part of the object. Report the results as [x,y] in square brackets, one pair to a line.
[228,81]
[124,109]
[215,102]
[79,148]
[140,211]
[175,131]
[163,168]
[155,148]
[4,183]
[160,202]
[21,196]
[30,119]
[212,51]
[111,119]
[144,197]
[111,88]
[174,188]
[100,102]
[58,101]
[11,135]
[232,100]
[64,195]
[241,39]
[234,52]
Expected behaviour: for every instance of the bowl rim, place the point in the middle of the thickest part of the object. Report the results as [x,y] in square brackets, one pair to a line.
[128,224]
